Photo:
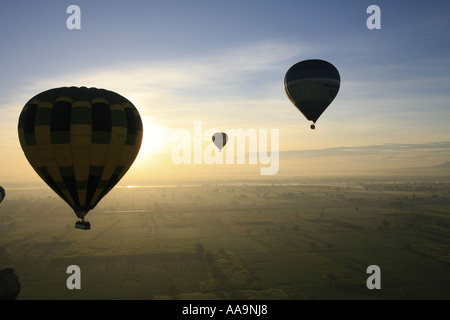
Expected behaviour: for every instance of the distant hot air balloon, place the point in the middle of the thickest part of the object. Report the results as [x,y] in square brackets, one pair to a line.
[220,140]
[312,85]
[2,194]
[80,141]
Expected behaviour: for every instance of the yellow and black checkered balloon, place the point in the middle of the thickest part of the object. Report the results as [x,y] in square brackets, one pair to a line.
[81,141]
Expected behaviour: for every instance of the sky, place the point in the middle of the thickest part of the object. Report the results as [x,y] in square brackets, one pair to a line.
[221,65]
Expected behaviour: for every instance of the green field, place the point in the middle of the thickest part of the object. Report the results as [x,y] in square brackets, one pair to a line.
[290,240]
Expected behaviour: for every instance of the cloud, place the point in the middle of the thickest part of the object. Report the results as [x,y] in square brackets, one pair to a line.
[363,159]
[200,87]
[242,87]
[392,151]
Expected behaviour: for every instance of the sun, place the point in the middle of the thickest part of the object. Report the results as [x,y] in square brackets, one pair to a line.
[153,141]
[151,159]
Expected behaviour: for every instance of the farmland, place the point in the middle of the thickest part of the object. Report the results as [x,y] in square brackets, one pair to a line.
[280,240]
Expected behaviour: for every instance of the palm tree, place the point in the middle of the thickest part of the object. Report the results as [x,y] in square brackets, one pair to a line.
[332,279]
[385,224]
[199,248]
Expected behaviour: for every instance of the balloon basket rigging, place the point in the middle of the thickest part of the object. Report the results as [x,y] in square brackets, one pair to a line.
[83,225]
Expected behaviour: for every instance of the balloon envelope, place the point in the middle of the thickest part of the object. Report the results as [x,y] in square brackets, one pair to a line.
[312,85]
[9,284]
[80,141]
[220,139]
[2,194]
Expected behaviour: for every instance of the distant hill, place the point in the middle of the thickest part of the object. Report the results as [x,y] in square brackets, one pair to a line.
[440,169]
[445,165]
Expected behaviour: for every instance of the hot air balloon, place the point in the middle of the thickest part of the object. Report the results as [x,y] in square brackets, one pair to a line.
[81,142]
[9,284]
[2,194]
[220,140]
[312,85]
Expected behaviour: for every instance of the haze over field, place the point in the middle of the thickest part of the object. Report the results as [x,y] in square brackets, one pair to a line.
[289,241]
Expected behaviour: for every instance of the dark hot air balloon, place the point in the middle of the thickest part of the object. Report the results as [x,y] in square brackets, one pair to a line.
[220,139]
[80,141]
[312,85]
[9,284]
[2,194]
